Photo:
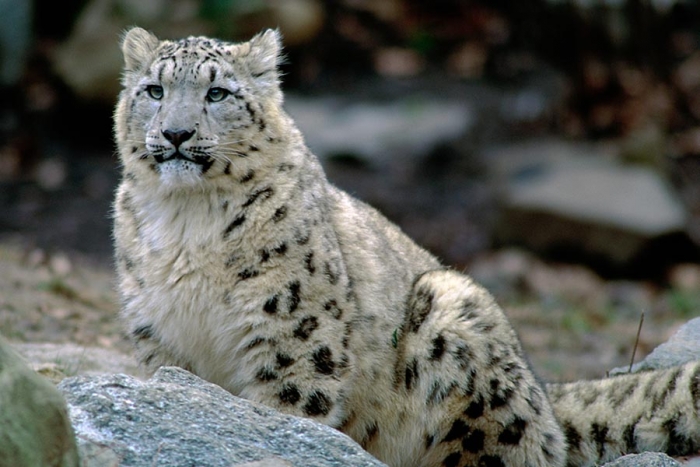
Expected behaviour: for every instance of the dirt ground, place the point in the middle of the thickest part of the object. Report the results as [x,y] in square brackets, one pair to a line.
[572,324]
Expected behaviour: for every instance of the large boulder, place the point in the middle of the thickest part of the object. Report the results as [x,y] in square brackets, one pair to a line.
[571,201]
[178,419]
[35,430]
[379,133]
[645,459]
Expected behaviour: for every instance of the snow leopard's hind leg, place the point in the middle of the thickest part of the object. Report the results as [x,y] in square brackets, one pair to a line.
[461,367]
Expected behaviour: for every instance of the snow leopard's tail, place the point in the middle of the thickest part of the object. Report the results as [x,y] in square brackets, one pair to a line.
[650,411]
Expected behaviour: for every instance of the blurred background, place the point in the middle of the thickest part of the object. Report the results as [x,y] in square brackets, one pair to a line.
[551,148]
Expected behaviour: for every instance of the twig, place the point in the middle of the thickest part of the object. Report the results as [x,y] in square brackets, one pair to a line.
[636,341]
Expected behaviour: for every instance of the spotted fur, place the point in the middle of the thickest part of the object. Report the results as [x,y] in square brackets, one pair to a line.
[238,261]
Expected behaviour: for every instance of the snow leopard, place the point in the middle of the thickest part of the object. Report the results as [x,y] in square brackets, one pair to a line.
[239,261]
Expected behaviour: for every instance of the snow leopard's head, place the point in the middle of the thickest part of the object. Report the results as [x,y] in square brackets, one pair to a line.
[197,109]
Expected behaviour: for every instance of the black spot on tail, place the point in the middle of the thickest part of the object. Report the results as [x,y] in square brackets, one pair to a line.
[678,443]
[599,433]
[695,385]
[573,437]
[630,438]
[618,394]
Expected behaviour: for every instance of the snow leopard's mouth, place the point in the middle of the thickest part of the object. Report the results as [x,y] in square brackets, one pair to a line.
[204,162]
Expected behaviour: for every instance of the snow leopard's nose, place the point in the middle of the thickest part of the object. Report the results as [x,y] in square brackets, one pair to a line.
[177,137]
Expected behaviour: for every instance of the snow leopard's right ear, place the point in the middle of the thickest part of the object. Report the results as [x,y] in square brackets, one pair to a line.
[139,47]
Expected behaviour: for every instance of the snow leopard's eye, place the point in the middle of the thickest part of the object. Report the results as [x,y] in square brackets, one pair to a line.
[155,91]
[217,94]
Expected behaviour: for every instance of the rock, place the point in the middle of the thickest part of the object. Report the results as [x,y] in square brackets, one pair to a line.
[269,462]
[645,459]
[685,277]
[681,348]
[566,200]
[90,61]
[34,426]
[57,361]
[407,128]
[178,419]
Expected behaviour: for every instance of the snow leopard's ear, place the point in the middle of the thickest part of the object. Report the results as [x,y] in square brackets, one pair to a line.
[139,47]
[264,56]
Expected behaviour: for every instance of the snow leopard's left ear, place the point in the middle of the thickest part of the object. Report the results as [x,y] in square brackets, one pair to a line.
[265,56]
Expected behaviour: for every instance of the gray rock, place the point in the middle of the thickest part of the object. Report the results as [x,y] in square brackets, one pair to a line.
[561,196]
[269,462]
[645,459]
[683,347]
[178,419]
[35,429]
[375,132]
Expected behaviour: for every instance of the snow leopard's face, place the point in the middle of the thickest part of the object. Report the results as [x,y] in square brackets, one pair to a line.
[195,109]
